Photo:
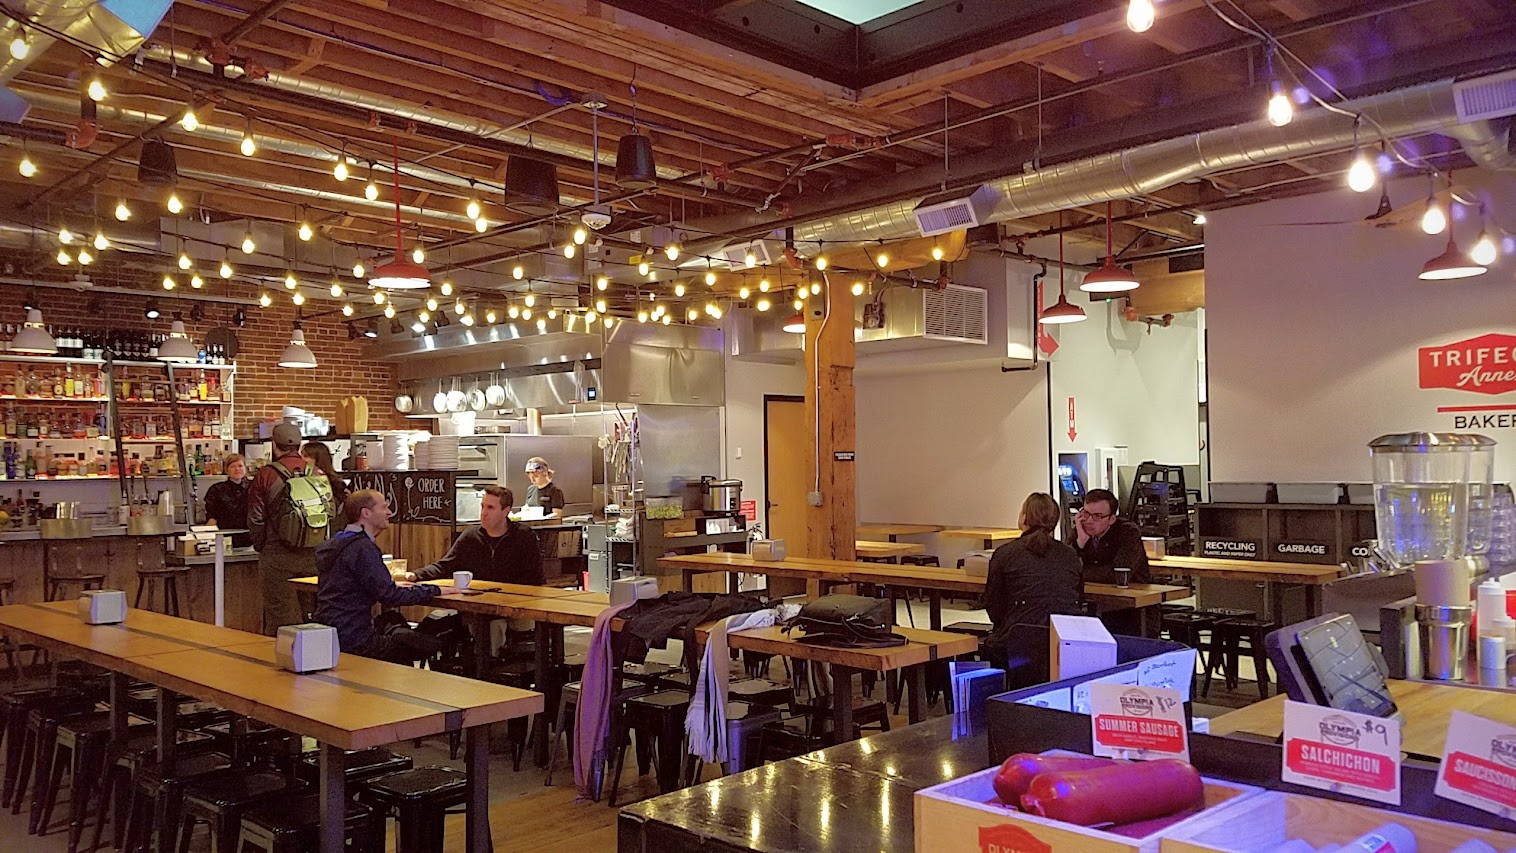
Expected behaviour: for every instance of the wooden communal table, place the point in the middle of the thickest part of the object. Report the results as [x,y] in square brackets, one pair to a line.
[1427,708]
[935,581]
[890,531]
[987,536]
[1277,577]
[360,704]
[892,551]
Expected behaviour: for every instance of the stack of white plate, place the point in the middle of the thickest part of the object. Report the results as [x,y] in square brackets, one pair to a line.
[395,453]
[442,453]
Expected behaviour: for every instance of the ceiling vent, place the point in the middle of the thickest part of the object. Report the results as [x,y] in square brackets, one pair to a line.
[955,313]
[1491,96]
[940,214]
[735,255]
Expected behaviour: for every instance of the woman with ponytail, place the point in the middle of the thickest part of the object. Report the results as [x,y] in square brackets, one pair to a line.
[1032,577]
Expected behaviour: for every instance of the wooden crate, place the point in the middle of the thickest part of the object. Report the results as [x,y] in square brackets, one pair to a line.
[1264,822]
[964,816]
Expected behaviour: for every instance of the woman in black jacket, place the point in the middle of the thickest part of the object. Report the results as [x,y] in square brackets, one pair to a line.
[1032,577]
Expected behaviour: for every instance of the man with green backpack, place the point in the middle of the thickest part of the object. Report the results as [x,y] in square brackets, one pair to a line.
[290,511]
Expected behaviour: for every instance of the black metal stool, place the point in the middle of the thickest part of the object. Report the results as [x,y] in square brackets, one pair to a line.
[122,763]
[358,765]
[1235,636]
[812,729]
[167,580]
[14,708]
[37,752]
[744,727]
[157,799]
[221,801]
[759,691]
[58,585]
[973,629]
[657,719]
[86,739]
[419,800]
[284,827]
[245,740]
[1194,629]
[920,560]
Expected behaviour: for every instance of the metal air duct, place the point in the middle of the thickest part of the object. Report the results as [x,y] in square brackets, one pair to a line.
[113,27]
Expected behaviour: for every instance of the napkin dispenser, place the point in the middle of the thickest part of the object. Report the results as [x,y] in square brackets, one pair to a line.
[628,590]
[103,606]
[306,648]
[768,550]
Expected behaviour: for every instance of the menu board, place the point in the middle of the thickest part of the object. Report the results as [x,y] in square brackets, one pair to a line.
[415,497]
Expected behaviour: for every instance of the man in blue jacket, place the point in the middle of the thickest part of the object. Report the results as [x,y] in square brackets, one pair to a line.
[351,578]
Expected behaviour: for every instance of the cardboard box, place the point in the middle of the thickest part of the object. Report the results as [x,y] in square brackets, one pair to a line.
[563,543]
[1268,820]
[964,816]
[976,564]
[1078,645]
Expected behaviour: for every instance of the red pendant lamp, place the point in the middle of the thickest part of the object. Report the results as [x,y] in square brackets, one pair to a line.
[1061,311]
[399,273]
[1109,278]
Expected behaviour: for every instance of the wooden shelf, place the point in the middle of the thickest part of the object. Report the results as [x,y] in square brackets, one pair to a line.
[168,402]
[56,359]
[189,439]
[55,400]
[1291,507]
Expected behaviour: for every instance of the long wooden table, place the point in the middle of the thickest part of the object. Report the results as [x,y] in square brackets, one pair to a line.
[1427,708]
[360,704]
[890,531]
[935,581]
[987,536]
[1276,576]
[887,550]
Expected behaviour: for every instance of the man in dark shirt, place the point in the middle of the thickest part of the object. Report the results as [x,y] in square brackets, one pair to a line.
[1105,542]
[351,578]
[497,550]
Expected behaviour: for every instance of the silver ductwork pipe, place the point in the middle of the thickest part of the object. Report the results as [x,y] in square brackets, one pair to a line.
[399,109]
[114,27]
[1488,143]
[1147,168]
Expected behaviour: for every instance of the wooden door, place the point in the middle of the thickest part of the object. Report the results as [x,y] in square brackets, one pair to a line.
[784,443]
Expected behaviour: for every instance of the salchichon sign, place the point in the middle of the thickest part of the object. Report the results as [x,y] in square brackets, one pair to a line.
[1482,365]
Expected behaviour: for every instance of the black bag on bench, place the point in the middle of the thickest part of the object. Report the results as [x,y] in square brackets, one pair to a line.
[846,621]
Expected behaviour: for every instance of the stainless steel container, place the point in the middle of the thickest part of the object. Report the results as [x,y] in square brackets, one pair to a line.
[66,528]
[721,495]
[1444,640]
[148,525]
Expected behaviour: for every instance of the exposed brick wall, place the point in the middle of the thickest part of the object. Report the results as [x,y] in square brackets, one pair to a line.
[262,387]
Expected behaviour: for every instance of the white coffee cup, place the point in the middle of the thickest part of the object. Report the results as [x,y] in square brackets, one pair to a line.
[461,580]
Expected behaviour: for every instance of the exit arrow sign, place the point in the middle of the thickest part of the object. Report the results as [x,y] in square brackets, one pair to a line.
[1073,433]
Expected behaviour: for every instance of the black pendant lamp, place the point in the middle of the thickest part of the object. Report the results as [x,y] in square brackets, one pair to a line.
[531,187]
[155,164]
[635,169]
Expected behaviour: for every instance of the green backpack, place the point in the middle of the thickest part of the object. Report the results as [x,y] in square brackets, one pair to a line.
[301,512]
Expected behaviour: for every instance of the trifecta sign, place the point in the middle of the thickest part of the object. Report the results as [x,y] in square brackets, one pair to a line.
[1482,365]
[1230,549]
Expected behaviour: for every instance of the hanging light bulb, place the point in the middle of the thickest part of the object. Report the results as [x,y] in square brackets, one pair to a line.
[541,325]
[580,235]
[175,206]
[763,285]
[882,259]
[672,251]
[431,303]
[937,253]
[743,292]
[20,46]
[764,304]
[336,289]
[85,258]
[468,319]
[169,283]
[184,261]
[679,289]
[64,258]
[517,272]
[248,246]
[1483,253]
[1281,112]
[189,121]
[389,310]
[529,300]
[247,146]
[418,254]
[815,287]
[821,262]
[526,314]
[643,268]
[28,168]
[196,281]
[750,259]
[666,319]
[473,210]
[347,309]
[490,316]
[1434,220]
[358,268]
[424,316]
[642,316]
[600,305]
[305,233]
[379,297]
[1361,175]
[123,212]
[691,314]
[65,236]
[446,288]
[568,250]
[552,313]
[799,303]
[512,311]
[226,269]
[1140,15]
[298,298]
[340,172]
[1200,218]
[857,288]
[371,190]
[481,225]
[601,283]
[265,299]
[459,308]
[710,278]
[802,292]
[101,244]
[290,282]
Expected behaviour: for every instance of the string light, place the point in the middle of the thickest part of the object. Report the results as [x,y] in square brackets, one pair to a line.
[424,316]
[1484,251]
[418,254]
[691,314]
[195,281]
[882,259]
[568,250]
[526,314]
[644,268]
[27,167]
[265,299]
[541,325]
[189,121]
[339,171]
[937,253]
[371,190]
[580,235]
[481,225]
[600,305]
[1140,15]
[169,283]
[459,308]
[184,261]
[336,288]
[590,317]
[1361,175]
[750,259]
[473,210]
[305,233]
[517,272]
[389,311]
[529,300]
[710,278]
[1200,218]
[358,269]
[65,236]
[378,297]
[20,46]
[821,262]
[857,288]
[679,289]
[101,244]
[642,316]
[248,146]
[85,258]
[763,304]
[347,309]
[298,298]
[763,285]
[815,287]
[602,283]
[226,269]
[491,317]
[468,319]
[123,212]
[446,288]
[672,251]
[666,319]
[1434,220]
[431,303]
[1281,112]
[743,292]
[175,206]
[290,282]
[799,303]
[248,246]
[513,312]
[552,313]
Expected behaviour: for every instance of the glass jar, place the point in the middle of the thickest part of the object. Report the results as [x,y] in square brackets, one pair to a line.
[1433,495]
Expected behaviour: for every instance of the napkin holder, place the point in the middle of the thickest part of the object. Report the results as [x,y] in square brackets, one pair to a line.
[768,550]
[306,648]
[628,590]
[103,606]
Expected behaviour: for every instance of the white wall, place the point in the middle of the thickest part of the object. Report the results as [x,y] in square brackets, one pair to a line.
[1314,330]
[746,385]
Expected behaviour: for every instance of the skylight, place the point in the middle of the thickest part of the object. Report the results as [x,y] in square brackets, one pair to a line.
[859,11]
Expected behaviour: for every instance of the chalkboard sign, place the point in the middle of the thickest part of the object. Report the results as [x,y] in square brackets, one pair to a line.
[1230,548]
[417,497]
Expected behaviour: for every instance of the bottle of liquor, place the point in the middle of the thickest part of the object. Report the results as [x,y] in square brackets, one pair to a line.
[31,467]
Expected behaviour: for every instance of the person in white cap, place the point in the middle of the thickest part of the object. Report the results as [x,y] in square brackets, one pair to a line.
[542,492]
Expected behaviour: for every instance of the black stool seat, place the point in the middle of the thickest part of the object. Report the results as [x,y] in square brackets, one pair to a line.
[758,691]
[657,719]
[418,784]
[244,738]
[358,765]
[168,581]
[220,801]
[1236,635]
[419,799]
[1228,612]
[920,560]
[294,827]
[14,708]
[57,585]
[646,673]
[158,797]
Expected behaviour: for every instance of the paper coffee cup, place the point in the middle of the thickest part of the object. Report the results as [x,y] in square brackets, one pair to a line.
[461,580]
[1123,577]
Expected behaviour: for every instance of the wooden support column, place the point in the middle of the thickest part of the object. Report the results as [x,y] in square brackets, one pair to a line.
[831,416]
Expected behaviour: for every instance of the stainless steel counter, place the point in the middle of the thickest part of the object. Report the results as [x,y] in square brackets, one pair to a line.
[32,534]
